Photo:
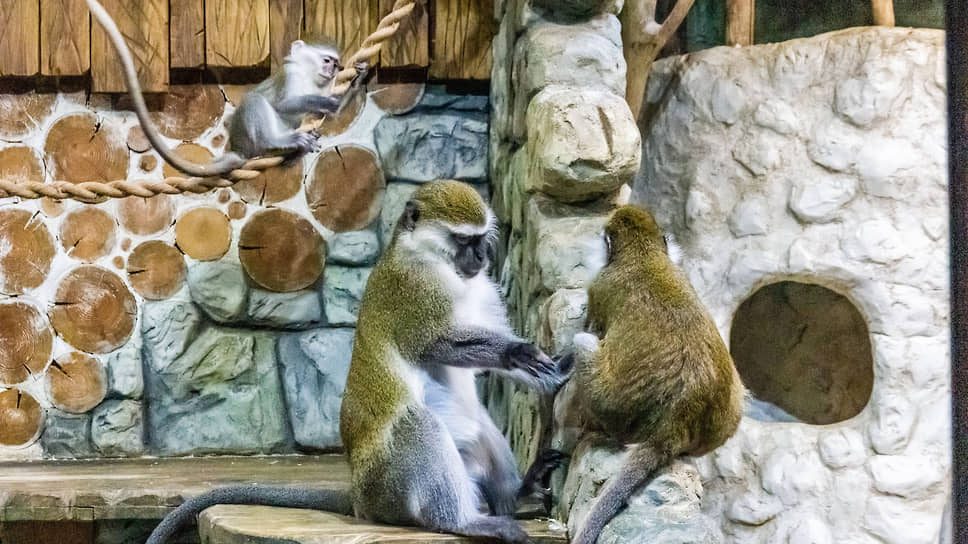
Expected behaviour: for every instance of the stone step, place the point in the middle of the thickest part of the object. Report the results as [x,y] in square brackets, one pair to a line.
[230,524]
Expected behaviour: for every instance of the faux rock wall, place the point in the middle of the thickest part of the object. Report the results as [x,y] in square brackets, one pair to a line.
[820,161]
[239,331]
[563,146]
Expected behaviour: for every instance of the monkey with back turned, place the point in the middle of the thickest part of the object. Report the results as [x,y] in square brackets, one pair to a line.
[267,119]
[660,377]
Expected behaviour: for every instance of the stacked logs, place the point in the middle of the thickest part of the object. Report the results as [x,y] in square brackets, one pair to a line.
[139,248]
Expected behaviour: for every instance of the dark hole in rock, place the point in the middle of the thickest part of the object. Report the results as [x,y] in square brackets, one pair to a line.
[805,350]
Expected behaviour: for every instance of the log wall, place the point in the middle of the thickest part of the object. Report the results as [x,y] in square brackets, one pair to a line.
[445,39]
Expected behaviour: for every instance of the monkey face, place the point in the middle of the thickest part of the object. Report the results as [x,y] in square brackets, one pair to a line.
[328,67]
[320,62]
[471,253]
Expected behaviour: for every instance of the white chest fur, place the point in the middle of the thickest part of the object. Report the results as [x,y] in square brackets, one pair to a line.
[477,303]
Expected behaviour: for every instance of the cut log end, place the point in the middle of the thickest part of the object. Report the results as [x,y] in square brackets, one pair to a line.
[396,98]
[281,251]
[21,163]
[21,418]
[26,263]
[190,152]
[156,270]
[338,123]
[81,148]
[346,191]
[88,233]
[148,163]
[144,216]
[51,207]
[25,342]
[237,210]
[204,234]
[272,186]
[189,110]
[76,383]
[137,141]
[21,114]
[93,310]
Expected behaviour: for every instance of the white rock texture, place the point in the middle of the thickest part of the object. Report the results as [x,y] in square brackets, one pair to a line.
[819,160]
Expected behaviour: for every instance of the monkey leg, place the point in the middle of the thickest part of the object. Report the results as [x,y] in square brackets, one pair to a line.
[537,478]
[421,480]
[452,397]
[258,129]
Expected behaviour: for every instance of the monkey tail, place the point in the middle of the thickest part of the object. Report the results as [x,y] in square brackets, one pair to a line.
[338,502]
[639,468]
[218,169]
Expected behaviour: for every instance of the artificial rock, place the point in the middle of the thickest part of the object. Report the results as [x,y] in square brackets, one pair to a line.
[314,367]
[584,143]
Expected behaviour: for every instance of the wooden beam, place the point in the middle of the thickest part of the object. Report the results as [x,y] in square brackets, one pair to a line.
[285,23]
[463,32]
[410,46]
[739,22]
[187,33]
[144,24]
[236,33]
[883,12]
[20,36]
[347,22]
[65,38]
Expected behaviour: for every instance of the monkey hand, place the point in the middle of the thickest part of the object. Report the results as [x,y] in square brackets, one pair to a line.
[305,142]
[531,365]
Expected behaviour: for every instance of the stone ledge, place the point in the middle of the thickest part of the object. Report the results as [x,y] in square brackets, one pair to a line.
[267,525]
[146,488]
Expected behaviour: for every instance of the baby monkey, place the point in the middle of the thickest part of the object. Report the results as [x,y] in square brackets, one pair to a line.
[661,377]
[268,118]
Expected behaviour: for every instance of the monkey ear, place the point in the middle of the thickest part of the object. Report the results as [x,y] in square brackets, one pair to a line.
[296,45]
[411,213]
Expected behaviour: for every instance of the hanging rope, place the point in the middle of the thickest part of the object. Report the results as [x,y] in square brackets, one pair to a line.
[95,191]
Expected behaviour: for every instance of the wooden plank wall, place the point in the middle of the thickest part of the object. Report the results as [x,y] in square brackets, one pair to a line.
[442,39]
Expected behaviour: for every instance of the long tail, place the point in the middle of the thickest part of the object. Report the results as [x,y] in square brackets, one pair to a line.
[338,502]
[221,167]
[639,468]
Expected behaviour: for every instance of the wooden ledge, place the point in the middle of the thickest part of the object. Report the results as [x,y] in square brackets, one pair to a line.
[267,525]
[146,488]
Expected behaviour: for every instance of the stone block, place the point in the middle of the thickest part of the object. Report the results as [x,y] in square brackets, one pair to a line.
[422,147]
[66,436]
[354,248]
[585,145]
[342,291]
[314,367]
[293,310]
[221,395]
[582,56]
[219,288]
[117,428]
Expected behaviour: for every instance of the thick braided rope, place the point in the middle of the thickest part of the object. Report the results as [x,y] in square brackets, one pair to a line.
[95,191]
[371,46]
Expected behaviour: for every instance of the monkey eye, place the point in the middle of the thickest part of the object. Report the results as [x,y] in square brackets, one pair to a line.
[462,239]
[608,247]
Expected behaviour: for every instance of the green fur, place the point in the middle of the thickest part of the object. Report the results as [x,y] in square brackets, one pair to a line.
[404,309]
[663,372]
[451,201]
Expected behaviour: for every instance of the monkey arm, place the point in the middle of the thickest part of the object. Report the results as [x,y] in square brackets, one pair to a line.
[307,103]
[487,349]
